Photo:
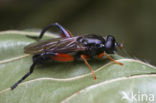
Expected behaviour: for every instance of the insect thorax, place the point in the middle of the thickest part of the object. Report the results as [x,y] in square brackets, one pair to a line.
[94,44]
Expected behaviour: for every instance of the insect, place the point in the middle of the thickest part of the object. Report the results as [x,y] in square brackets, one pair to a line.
[69,48]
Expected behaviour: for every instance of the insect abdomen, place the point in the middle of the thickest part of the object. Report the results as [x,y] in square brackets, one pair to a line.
[62,57]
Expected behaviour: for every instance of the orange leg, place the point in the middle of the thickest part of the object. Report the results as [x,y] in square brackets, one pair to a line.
[100,55]
[109,57]
[84,59]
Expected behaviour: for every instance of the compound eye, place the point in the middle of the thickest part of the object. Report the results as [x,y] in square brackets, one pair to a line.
[108,44]
[110,41]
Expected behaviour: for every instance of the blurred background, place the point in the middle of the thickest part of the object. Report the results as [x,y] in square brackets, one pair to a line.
[132,22]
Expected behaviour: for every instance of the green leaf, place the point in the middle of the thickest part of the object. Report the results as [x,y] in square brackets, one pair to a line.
[68,82]
[135,89]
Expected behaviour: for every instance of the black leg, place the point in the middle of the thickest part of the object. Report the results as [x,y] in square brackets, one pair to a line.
[63,30]
[37,59]
[24,77]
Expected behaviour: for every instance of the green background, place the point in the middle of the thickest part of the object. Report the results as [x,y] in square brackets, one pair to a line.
[132,22]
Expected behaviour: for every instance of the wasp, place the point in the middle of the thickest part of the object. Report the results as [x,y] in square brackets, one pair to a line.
[69,48]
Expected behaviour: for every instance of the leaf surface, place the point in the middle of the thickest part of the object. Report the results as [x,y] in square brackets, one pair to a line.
[67,82]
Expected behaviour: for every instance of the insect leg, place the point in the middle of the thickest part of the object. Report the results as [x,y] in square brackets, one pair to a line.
[100,55]
[37,59]
[24,77]
[110,58]
[64,32]
[83,57]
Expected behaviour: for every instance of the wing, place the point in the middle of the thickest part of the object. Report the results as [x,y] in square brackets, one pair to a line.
[64,45]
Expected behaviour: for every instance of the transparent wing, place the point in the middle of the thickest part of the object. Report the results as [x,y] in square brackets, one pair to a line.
[64,45]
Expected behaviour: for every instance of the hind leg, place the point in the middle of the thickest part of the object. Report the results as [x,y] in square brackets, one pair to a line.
[64,32]
[24,77]
[37,59]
